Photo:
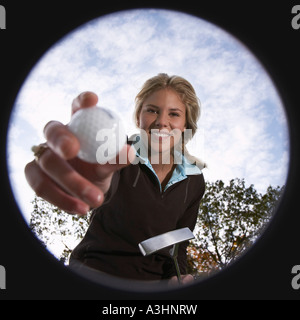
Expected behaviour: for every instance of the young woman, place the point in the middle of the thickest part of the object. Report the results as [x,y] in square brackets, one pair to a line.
[158,190]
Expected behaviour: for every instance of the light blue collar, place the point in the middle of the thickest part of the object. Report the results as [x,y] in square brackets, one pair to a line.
[181,171]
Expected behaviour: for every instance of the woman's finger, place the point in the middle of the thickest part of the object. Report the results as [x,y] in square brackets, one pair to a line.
[45,188]
[69,179]
[84,100]
[61,140]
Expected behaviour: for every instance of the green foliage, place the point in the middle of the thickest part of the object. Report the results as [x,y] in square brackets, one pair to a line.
[231,217]
[57,230]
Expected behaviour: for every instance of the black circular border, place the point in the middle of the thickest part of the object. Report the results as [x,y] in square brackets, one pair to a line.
[265,272]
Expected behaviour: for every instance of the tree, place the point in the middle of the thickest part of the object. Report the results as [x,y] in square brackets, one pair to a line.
[230,219]
[57,230]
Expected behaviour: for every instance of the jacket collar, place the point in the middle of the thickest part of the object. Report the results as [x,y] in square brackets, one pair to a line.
[184,166]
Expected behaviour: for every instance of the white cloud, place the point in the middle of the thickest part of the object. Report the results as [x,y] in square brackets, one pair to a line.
[114,55]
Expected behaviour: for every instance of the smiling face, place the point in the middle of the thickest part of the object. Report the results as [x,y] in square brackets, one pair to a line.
[163,118]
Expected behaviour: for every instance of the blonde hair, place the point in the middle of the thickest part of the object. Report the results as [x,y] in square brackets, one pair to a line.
[185,91]
[181,86]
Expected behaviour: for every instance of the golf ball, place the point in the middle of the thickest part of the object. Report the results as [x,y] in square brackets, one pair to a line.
[100,133]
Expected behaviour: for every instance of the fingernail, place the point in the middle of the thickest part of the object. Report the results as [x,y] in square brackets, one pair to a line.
[91,196]
[82,209]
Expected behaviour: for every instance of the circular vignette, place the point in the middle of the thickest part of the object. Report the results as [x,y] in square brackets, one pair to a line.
[90,273]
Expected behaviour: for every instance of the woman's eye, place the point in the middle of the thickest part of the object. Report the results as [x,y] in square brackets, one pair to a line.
[174,114]
[151,111]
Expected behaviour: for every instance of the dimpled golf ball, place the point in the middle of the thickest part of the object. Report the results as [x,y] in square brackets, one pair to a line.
[100,132]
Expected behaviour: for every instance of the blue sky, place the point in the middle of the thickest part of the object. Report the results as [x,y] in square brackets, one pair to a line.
[242,130]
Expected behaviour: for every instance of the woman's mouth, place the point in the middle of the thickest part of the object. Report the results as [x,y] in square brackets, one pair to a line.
[160,135]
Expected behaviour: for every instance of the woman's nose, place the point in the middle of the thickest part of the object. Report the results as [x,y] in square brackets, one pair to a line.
[161,120]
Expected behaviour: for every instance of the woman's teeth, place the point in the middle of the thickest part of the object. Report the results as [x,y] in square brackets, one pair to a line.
[161,134]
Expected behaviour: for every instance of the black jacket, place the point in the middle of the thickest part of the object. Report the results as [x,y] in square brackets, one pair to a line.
[134,210]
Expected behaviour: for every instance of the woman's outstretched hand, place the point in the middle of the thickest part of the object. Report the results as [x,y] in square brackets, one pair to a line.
[63,179]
